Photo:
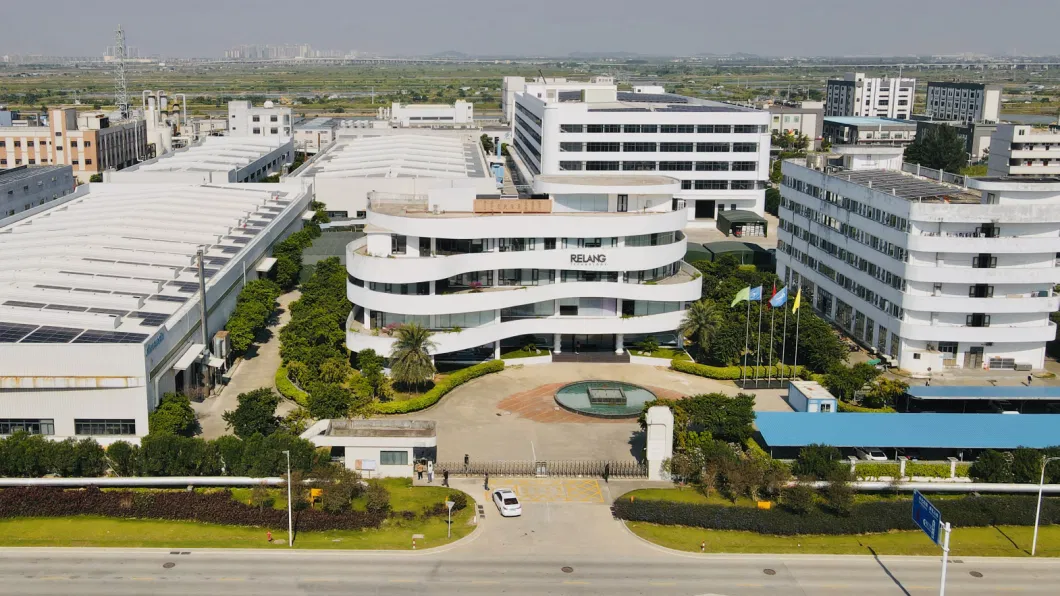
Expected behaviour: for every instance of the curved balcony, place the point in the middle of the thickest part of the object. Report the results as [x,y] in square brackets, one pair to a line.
[1020,303]
[358,339]
[974,244]
[466,226]
[684,286]
[918,331]
[400,270]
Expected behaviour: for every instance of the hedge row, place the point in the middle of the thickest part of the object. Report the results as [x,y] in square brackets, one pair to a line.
[446,385]
[865,518]
[288,255]
[213,507]
[288,389]
[254,307]
[874,469]
[733,373]
[845,407]
[912,468]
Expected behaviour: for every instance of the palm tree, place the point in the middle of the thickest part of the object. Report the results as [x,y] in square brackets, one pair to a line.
[701,323]
[410,358]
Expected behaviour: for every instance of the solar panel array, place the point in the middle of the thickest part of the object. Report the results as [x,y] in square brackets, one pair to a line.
[651,97]
[900,185]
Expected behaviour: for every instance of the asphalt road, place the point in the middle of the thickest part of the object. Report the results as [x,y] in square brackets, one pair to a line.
[237,572]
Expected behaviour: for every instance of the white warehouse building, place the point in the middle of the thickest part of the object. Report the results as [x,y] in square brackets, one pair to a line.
[216,160]
[718,152]
[99,299]
[593,264]
[933,276]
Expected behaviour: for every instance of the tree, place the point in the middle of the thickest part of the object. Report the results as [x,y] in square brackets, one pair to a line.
[725,418]
[820,348]
[884,393]
[1026,465]
[773,202]
[339,490]
[487,144]
[775,174]
[90,460]
[410,358]
[260,497]
[817,462]
[329,400]
[124,458]
[838,494]
[372,371]
[335,370]
[991,466]
[844,381]
[255,413]
[173,415]
[701,323]
[377,498]
[798,499]
[648,345]
[95,178]
[940,148]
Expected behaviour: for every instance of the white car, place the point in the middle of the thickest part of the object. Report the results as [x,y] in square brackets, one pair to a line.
[870,454]
[507,503]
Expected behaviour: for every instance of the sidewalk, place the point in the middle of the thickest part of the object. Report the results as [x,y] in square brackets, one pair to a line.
[256,370]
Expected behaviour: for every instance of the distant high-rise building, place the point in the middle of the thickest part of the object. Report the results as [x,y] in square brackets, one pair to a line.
[856,95]
[964,102]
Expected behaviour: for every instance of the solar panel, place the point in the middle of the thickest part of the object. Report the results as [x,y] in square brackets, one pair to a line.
[230,250]
[46,287]
[24,304]
[651,97]
[165,298]
[109,311]
[185,286]
[51,335]
[92,336]
[66,307]
[221,261]
[694,109]
[12,332]
[150,319]
[238,239]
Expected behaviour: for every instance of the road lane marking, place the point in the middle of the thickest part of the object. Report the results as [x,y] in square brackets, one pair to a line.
[143,579]
[575,583]
[231,579]
[53,577]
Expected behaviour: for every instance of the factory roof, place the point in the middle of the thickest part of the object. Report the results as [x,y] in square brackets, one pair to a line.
[925,431]
[320,123]
[26,172]
[869,121]
[627,101]
[909,186]
[116,264]
[401,156]
[213,154]
[988,392]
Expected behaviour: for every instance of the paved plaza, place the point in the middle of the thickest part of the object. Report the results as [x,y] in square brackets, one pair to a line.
[512,416]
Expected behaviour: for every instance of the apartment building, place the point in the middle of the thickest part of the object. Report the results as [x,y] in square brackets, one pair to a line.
[802,118]
[1024,151]
[244,120]
[858,95]
[590,264]
[964,102]
[89,142]
[23,187]
[932,276]
[719,152]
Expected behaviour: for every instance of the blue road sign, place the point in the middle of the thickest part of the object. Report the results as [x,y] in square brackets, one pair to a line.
[926,516]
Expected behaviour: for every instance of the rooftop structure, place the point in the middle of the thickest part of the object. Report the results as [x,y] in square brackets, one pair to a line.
[99,297]
[461,114]
[719,152]
[858,95]
[804,118]
[930,275]
[214,160]
[397,162]
[313,135]
[23,188]
[244,120]
[1024,151]
[377,447]
[863,130]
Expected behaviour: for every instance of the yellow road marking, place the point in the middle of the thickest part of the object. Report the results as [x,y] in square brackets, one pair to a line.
[576,583]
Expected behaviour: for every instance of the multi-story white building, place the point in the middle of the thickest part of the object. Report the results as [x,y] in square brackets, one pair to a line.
[460,114]
[512,85]
[313,136]
[594,267]
[100,298]
[214,159]
[23,188]
[963,102]
[244,120]
[719,152]
[1024,151]
[804,118]
[933,276]
[857,95]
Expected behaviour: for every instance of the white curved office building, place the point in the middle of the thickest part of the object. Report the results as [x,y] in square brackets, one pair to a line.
[590,264]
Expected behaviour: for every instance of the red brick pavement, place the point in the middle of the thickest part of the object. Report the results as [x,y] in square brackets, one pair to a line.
[539,405]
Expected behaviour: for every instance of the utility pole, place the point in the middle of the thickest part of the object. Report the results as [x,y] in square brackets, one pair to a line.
[290,517]
[202,316]
[121,91]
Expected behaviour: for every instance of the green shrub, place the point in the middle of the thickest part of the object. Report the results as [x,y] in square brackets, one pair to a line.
[817,462]
[845,407]
[914,468]
[288,388]
[173,415]
[864,518]
[446,385]
[992,466]
[254,308]
[733,373]
[377,499]
[798,499]
[874,469]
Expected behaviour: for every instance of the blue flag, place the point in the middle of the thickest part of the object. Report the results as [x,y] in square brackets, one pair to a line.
[755,294]
[780,298]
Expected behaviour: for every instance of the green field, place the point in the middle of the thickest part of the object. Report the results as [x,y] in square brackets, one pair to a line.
[1002,541]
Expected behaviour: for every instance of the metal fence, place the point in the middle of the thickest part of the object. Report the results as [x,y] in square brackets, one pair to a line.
[563,468]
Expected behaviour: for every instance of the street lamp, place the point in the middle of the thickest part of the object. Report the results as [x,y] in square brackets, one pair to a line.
[1038,512]
[449,505]
[290,517]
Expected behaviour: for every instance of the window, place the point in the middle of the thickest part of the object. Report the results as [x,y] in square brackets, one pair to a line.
[550,244]
[984,261]
[612,128]
[601,165]
[393,458]
[256,119]
[639,147]
[30,143]
[712,147]
[104,427]
[712,166]
[602,147]
[18,143]
[686,185]
[712,185]
[273,130]
[272,118]
[640,128]
[87,143]
[398,244]
[88,162]
[638,166]
[745,128]
[744,147]
[623,203]
[570,165]
[571,128]
[744,166]
[977,320]
[257,131]
[675,166]
[675,147]
[34,427]
[570,146]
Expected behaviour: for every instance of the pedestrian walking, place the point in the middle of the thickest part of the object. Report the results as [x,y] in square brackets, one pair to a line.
[486,481]
[1029,377]
[419,470]
[607,471]
[467,463]
[430,472]
[445,477]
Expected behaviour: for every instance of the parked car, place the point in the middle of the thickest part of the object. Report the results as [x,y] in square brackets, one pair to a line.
[507,503]
[870,454]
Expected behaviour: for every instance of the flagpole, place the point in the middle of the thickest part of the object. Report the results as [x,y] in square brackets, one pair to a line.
[746,334]
[795,362]
[772,322]
[784,340]
[758,350]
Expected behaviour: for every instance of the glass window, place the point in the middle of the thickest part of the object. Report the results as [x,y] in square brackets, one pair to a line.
[104,427]
[393,458]
[34,427]
[571,128]
[398,244]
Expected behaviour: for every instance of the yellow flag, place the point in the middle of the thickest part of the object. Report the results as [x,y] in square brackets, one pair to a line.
[798,300]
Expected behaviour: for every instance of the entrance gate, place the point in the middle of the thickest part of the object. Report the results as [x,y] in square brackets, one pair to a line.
[546,469]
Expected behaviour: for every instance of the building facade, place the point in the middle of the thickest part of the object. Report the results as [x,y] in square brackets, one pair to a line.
[805,118]
[719,152]
[313,136]
[218,160]
[1024,151]
[860,130]
[932,276]
[977,136]
[23,187]
[594,267]
[460,114]
[964,102]
[244,120]
[857,95]
[90,143]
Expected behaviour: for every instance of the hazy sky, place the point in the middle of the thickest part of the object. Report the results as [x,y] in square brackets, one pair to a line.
[545,27]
